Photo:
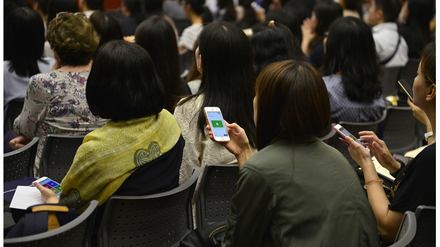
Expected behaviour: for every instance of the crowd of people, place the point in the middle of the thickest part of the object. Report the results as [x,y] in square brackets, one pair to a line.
[135,82]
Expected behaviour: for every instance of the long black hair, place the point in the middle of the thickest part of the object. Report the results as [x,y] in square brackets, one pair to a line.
[228,77]
[24,41]
[351,51]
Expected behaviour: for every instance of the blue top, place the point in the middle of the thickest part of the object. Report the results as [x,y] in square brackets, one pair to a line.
[343,109]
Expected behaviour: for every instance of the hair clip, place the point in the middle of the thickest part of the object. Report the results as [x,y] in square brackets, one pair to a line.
[271,23]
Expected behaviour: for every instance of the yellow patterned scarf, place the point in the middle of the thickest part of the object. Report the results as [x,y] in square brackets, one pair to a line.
[110,154]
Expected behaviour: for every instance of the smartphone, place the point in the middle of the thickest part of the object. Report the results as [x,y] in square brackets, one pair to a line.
[215,119]
[50,184]
[343,132]
[408,90]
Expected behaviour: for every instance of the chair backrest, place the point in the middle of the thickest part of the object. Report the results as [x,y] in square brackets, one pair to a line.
[355,128]
[213,199]
[75,233]
[331,133]
[407,230]
[425,234]
[409,72]
[14,109]
[389,80]
[20,163]
[162,219]
[399,129]
[58,154]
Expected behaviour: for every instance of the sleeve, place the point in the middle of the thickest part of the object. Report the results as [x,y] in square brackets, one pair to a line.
[187,39]
[34,108]
[416,185]
[192,151]
[251,211]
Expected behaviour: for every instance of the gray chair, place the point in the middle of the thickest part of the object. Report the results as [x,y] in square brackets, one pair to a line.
[14,109]
[355,128]
[162,219]
[417,229]
[58,154]
[399,129]
[332,132]
[75,233]
[389,79]
[20,163]
[213,199]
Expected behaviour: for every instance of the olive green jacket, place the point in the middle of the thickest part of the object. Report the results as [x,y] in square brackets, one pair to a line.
[299,195]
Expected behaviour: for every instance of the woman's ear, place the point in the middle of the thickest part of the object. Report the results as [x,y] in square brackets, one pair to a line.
[430,94]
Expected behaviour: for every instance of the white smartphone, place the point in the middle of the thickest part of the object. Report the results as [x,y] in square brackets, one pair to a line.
[215,119]
[49,183]
[343,132]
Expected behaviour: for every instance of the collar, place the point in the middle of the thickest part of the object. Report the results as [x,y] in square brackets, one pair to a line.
[392,26]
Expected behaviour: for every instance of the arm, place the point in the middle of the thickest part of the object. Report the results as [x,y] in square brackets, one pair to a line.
[388,221]
[251,211]
[238,145]
[307,36]
[422,117]
[19,142]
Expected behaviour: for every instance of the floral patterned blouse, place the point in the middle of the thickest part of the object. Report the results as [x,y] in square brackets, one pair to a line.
[56,103]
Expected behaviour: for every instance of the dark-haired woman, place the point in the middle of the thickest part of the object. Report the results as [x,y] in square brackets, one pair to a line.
[351,71]
[272,42]
[24,44]
[296,191]
[224,58]
[414,183]
[314,30]
[56,101]
[106,26]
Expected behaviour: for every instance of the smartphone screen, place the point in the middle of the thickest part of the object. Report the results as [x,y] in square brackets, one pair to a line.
[217,125]
[346,133]
[52,185]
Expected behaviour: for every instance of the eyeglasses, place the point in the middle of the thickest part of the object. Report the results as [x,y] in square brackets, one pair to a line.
[61,14]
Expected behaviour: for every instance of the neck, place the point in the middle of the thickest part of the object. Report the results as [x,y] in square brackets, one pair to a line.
[196,19]
[431,117]
[70,68]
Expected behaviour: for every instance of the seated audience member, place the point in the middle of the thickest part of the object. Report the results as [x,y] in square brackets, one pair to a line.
[41,7]
[22,55]
[157,37]
[56,101]
[288,19]
[88,7]
[224,58]
[416,15]
[226,11]
[314,30]
[415,182]
[142,141]
[297,190]
[390,45]
[351,72]
[247,16]
[351,8]
[132,16]
[106,26]
[273,42]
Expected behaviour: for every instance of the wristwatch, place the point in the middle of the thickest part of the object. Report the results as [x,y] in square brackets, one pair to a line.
[427,135]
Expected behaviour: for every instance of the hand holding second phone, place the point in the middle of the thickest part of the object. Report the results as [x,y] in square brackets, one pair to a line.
[48,195]
[239,143]
[359,153]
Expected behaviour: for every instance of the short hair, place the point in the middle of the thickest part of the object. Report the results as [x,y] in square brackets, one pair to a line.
[95,4]
[196,5]
[73,38]
[123,83]
[289,19]
[292,103]
[427,61]
[106,26]
[56,6]
[228,77]
[390,9]
[272,43]
[24,41]
[156,35]
[351,51]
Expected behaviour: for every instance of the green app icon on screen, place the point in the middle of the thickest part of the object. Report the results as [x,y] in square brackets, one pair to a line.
[217,124]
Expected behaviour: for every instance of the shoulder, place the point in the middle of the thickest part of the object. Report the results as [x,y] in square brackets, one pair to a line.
[189,108]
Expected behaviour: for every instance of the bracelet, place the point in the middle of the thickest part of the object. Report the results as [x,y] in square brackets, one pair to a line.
[427,135]
[368,184]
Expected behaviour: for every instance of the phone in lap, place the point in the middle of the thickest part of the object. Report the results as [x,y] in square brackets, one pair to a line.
[50,184]
[343,132]
[215,119]
[405,86]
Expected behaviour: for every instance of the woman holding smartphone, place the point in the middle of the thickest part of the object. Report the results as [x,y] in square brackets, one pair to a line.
[415,182]
[296,189]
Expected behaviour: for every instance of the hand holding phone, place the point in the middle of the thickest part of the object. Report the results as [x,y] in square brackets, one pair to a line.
[343,132]
[50,184]
[215,119]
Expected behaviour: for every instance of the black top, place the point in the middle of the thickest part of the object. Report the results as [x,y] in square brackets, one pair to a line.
[415,184]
